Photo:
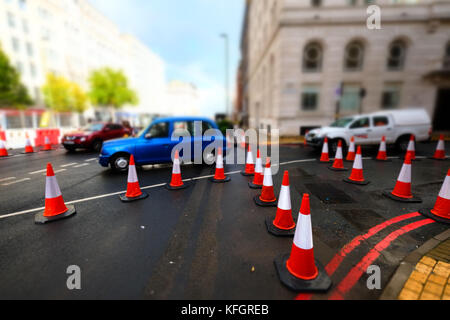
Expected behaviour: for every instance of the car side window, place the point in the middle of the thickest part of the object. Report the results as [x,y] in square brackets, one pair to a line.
[159,130]
[361,123]
[180,128]
[380,121]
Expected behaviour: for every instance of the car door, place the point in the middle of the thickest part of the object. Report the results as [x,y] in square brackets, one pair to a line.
[184,131]
[361,130]
[155,146]
[382,126]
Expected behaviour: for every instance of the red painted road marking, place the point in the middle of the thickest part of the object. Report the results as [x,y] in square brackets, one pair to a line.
[332,266]
[357,271]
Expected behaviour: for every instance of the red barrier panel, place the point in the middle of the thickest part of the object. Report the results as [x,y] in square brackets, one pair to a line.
[51,134]
[2,135]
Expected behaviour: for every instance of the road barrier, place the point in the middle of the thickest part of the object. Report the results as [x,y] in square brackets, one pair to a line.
[250,164]
[176,182]
[134,192]
[219,176]
[258,177]
[357,175]
[324,158]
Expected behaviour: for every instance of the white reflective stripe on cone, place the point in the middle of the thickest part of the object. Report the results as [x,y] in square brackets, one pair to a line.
[51,188]
[250,158]
[268,177]
[303,234]
[132,176]
[176,166]
[441,145]
[445,190]
[383,146]
[258,166]
[352,147]
[358,162]
[339,153]
[219,162]
[405,174]
[411,146]
[284,203]
[28,143]
[325,148]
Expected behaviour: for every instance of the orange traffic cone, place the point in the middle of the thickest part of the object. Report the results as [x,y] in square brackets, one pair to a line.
[267,197]
[324,158]
[305,143]
[357,176]
[250,165]
[441,210]
[382,155]
[3,151]
[134,192]
[299,271]
[338,164]
[283,224]
[351,151]
[55,208]
[258,178]
[440,149]
[177,182]
[411,148]
[28,147]
[219,176]
[402,191]
[47,145]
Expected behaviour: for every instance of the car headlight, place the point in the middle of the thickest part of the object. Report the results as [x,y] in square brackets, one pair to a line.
[83,139]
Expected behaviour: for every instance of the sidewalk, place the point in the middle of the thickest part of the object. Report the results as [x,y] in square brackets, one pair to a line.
[424,274]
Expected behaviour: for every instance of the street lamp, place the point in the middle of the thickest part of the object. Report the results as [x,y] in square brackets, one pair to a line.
[227,86]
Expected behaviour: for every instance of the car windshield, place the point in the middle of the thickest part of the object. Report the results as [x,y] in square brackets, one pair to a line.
[341,123]
[93,127]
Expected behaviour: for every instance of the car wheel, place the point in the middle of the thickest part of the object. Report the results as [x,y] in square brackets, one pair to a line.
[120,162]
[97,145]
[402,143]
[334,145]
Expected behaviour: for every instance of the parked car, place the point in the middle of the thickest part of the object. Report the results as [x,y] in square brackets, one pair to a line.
[396,125]
[93,136]
[154,144]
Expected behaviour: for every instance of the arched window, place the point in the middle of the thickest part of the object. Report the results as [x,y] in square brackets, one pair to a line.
[312,57]
[354,56]
[396,55]
[447,56]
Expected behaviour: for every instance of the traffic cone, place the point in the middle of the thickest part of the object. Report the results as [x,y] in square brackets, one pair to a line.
[299,271]
[258,178]
[351,151]
[411,148]
[357,176]
[134,192]
[219,176]
[47,145]
[402,191]
[28,147]
[267,197]
[441,210]
[177,182]
[283,224]
[382,155]
[55,208]
[324,158]
[3,151]
[338,164]
[250,165]
[440,149]
[305,143]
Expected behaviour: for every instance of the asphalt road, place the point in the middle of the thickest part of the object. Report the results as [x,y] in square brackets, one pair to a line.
[205,242]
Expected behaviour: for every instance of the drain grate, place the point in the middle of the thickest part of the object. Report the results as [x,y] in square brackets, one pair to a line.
[328,193]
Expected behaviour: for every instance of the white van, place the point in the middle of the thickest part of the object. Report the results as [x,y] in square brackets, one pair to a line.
[368,129]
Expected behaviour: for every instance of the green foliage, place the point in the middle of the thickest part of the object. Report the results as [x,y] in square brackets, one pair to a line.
[224,125]
[12,92]
[61,95]
[109,88]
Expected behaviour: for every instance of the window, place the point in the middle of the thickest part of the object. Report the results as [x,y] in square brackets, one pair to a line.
[23,4]
[29,49]
[396,55]
[15,44]
[391,96]
[361,123]
[159,130]
[312,58]
[33,70]
[352,2]
[447,56]
[354,56]
[351,98]
[181,128]
[316,3]
[310,98]
[25,26]
[380,121]
[20,67]
[11,20]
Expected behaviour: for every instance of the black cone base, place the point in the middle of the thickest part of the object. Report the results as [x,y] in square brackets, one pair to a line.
[427,213]
[227,179]
[263,203]
[276,231]
[349,161]
[378,160]
[40,219]
[245,174]
[320,284]
[337,169]
[5,157]
[29,152]
[184,186]
[359,183]
[124,198]
[389,195]
[254,186]
[325,162]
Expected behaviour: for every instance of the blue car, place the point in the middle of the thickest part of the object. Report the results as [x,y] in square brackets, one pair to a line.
[154,144]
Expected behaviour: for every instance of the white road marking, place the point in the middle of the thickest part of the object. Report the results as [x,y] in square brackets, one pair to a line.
[82,165]
[69,165]
[90,160]
[40,171]
[17,181]
[7,179]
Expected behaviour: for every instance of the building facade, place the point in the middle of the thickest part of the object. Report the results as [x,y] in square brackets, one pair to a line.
[306,62]
[182,99]
[71,38]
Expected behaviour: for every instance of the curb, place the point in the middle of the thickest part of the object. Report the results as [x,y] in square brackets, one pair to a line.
[407,266]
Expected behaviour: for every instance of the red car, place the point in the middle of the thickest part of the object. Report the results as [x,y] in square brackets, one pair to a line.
[93,136]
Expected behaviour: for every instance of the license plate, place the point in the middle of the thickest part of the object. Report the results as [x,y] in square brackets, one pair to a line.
[69,142]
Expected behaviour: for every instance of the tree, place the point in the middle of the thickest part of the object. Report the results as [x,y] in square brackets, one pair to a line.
[12,92]
[109,88]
